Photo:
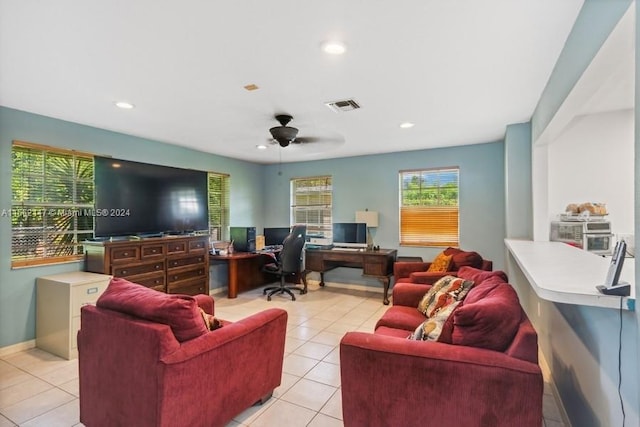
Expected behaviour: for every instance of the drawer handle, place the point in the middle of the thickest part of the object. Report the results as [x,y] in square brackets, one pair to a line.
[157,267]
[158,281]
[177,247]
[154,251]
[175,263]
[92,291]
[124,271]
[126,254]
[200,260]
[175,277]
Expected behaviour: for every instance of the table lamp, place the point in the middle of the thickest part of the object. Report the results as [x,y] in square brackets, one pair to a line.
[371,219]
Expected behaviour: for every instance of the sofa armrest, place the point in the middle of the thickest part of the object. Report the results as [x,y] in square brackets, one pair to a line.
[408,294]
[394,381]
[403,269]
[206,303]
[428,277]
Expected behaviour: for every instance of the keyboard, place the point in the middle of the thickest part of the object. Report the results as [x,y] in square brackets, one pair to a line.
[347,249]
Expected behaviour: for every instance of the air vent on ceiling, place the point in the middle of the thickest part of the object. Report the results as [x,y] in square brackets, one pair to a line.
[343,105]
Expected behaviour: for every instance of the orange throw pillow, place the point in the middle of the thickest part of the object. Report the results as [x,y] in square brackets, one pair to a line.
[440,264]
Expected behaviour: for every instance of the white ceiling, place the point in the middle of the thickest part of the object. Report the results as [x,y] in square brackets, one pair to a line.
[460,70]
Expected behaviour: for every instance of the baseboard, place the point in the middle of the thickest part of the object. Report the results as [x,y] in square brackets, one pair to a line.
[21,346]
[353,286]
[217,291]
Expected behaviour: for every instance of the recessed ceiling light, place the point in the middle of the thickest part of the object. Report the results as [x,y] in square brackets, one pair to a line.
[334,48]
[251,87]
[124,105]
[261,147]
[406,125]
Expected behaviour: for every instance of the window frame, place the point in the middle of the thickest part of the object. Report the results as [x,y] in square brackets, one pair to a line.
[432,221]
[218,207]
[37,207]
[318,204]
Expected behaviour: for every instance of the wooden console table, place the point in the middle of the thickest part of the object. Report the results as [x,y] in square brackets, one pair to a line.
[378,264]
[245,271]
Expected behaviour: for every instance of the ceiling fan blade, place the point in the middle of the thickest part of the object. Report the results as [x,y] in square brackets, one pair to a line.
[310,139]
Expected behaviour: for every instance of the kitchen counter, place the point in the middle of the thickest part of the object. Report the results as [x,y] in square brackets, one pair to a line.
[562,273]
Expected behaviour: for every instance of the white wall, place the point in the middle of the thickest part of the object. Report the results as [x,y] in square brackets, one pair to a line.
[593,161]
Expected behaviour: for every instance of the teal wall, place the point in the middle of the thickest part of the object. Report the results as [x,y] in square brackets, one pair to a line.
[517,166]
[17,286]
[581,343]
[260,197]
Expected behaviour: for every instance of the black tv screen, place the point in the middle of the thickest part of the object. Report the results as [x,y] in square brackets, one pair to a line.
[135,198]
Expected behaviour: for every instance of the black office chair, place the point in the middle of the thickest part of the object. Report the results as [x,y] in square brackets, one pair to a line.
[288,263]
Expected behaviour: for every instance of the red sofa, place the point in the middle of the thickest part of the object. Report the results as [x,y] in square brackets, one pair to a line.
[163,367]
[483,372]
[416,272]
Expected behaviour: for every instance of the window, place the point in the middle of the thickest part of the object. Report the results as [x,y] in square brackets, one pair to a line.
[429,207]
[218,205]
[311,204]
[51,192]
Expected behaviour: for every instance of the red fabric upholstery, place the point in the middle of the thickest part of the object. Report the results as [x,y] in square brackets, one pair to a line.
[134,372]
[180,312]
[389,380]
[416,272]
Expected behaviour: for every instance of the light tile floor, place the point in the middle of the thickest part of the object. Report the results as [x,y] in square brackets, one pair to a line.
[40,389]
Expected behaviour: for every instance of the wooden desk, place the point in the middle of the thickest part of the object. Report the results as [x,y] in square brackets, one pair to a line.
[245,271]
[378,264]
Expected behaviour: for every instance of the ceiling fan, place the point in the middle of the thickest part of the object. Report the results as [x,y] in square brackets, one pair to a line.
[285,135]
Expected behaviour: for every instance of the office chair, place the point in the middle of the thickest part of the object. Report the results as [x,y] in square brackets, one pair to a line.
[287,264]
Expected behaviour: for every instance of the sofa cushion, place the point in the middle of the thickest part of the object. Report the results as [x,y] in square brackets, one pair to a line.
[478,276]
[180,312]
[400,317]
[442,293]
[440,263]
[460,258]
[489,322]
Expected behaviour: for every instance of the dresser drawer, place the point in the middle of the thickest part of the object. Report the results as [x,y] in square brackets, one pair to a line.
[134,269]
[86,294]
[198,272]
[198,246]
[125,254]
[174,248]
[155,250]
[181,262]
[151,280]
[189,287]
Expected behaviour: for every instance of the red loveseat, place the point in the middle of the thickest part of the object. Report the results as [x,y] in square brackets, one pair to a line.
[162,367]
[416,272]
[482,372]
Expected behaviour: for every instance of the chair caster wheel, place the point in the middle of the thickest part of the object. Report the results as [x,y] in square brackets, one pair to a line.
[269,298]
[302,292]
[293,298]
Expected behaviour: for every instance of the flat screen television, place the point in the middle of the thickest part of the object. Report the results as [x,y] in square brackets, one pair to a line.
[142,199]
[275,235]
[350,234]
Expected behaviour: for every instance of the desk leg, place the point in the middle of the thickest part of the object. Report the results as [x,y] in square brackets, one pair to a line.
[385,282]
[233,278]
[304,281]
[322,278]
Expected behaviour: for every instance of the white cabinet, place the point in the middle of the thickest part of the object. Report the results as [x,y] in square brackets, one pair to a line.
[59,298]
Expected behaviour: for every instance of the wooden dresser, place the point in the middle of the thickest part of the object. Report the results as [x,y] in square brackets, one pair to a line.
[167,264]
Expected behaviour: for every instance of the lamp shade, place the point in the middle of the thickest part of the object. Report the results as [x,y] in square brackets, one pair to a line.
[368,217]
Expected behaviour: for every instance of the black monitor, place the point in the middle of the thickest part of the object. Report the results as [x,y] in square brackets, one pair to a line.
[350,234]
[275,235]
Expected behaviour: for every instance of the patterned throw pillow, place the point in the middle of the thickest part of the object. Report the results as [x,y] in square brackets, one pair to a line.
[431,329]
[440,263]
[445,291]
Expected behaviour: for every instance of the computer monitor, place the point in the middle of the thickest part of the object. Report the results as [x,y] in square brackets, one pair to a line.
[275,235]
